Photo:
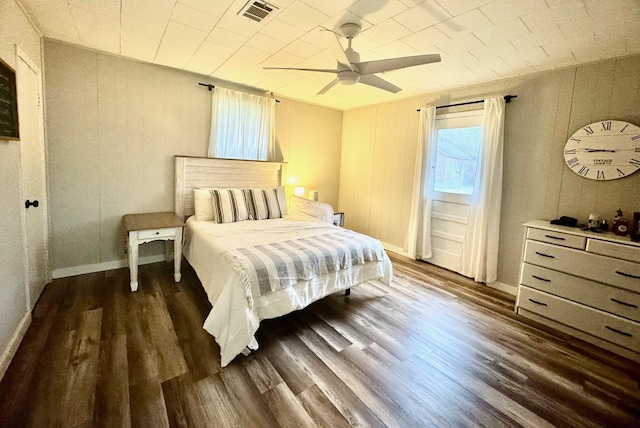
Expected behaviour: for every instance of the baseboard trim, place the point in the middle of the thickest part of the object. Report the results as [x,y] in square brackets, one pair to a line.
[100,267]
[14,343]
[395,249]
[507,288]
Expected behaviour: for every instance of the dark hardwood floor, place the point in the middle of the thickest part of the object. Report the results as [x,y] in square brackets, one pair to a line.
[435,349]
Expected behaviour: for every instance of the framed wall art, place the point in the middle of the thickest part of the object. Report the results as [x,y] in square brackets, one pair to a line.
[8,103]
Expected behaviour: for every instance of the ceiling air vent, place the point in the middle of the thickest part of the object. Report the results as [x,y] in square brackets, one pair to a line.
[257,10]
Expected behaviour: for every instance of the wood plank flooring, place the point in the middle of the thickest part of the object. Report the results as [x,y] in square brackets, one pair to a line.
[434,349]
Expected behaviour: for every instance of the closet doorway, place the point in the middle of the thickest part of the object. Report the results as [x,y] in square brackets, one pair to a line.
[30,116]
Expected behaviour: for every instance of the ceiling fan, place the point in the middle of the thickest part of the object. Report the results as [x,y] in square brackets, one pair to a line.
[350,70]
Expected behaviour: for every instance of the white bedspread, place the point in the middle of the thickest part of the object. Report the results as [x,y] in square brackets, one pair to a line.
[236,316]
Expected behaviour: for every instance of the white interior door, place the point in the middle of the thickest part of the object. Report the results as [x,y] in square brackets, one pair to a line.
[453,176]
[30,116]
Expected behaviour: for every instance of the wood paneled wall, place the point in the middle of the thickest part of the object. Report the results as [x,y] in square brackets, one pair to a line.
[379,146]
[310,137]
[113,128]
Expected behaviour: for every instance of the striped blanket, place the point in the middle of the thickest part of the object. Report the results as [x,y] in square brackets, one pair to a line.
[272,267]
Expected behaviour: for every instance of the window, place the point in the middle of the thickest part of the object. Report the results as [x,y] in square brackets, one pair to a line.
[455,158]
[241,126]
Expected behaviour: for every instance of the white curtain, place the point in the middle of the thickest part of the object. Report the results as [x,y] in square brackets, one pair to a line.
[479,258]
[419,232]
[242,126]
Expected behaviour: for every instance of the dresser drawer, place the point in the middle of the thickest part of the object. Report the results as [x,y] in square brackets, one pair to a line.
[620,331]
[558,238]
[612,249]
[157,233]
[610,271]
[611,299]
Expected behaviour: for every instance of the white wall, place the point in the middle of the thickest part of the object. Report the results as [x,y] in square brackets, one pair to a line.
[379,146]
[14,29]
[114,126]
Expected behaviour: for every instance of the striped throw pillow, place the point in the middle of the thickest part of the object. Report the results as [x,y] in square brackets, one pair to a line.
[229,205]
[266,204]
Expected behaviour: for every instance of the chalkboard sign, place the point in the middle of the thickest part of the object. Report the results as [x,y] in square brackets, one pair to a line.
[8,103]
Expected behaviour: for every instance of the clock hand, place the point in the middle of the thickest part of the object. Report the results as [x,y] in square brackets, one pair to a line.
[598,150]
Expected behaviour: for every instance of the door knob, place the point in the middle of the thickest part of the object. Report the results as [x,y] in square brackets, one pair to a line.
[29,203]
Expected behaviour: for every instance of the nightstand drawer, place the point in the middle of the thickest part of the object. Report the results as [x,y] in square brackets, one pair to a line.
[620,331]
[157,233]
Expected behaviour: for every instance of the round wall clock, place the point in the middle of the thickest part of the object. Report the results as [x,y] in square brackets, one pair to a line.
[604,150]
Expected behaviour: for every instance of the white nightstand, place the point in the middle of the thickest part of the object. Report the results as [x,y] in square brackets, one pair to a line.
[142,228]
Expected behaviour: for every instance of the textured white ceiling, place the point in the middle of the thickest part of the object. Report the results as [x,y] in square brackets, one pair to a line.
[479,40]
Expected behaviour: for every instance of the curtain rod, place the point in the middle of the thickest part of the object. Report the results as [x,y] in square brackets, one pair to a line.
[210,87]
[507,100]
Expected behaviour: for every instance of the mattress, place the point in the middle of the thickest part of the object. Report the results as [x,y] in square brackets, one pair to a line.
[236,311]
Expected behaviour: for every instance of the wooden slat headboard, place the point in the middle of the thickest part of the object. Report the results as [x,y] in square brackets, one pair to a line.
[193,172]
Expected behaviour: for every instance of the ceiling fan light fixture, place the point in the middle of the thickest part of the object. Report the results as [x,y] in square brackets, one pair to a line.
[348,77]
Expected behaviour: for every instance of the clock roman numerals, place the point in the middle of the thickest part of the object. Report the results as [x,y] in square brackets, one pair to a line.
[604,150]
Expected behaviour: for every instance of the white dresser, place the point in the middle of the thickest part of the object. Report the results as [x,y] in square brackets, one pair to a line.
[586,284]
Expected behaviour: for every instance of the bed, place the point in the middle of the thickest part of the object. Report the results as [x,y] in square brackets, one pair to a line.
[234,260]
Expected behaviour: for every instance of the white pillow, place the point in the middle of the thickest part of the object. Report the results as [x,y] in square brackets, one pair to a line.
[266,204]
[202,204]
[229,205]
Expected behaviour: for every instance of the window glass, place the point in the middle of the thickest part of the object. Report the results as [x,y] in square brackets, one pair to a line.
[456,160]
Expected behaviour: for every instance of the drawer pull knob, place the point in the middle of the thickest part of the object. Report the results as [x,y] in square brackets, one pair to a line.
[545,255]
[537,303]
[559,238]
[628,275]
[157,233]
[615,330]
[541,279]
[631,305]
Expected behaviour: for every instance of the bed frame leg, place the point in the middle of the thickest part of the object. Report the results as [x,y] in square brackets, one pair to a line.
[347,292]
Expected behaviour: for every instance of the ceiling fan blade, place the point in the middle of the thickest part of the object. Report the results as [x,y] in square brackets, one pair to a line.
[336,48]
[377,82]
[333,83]
[382,65]
[320,70]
